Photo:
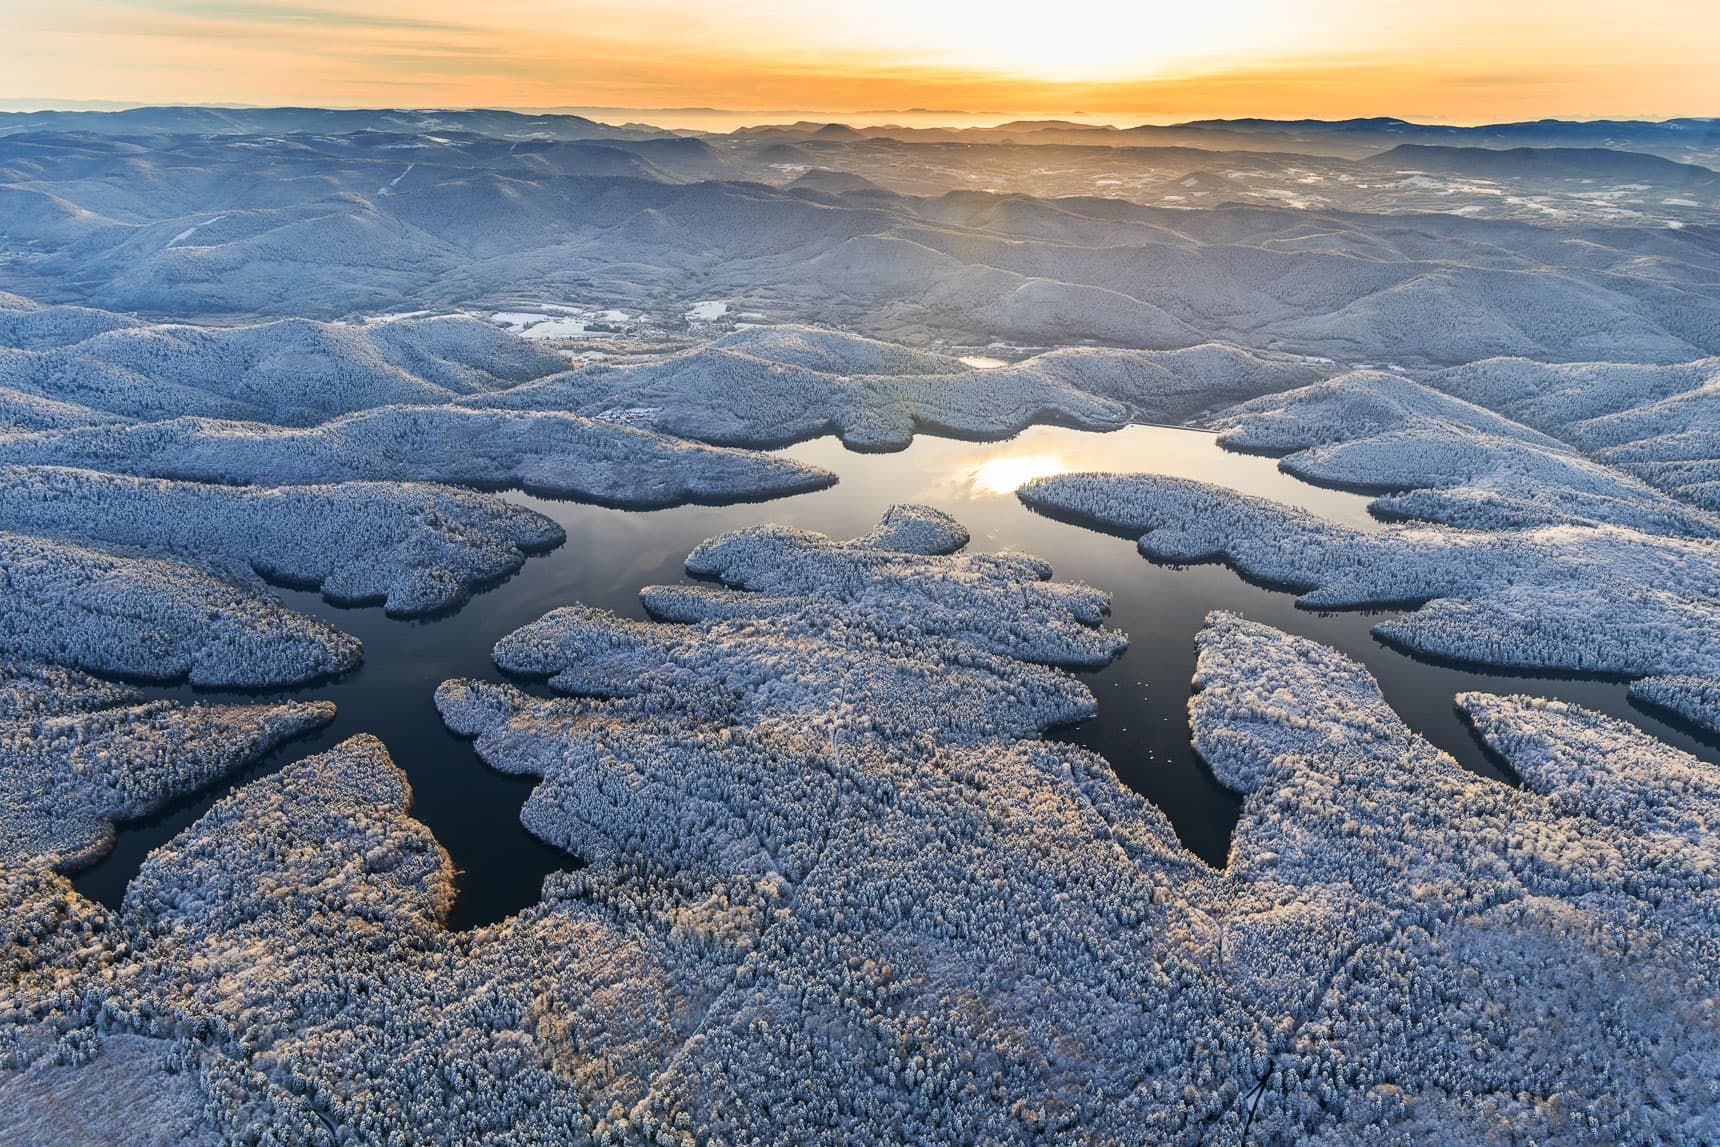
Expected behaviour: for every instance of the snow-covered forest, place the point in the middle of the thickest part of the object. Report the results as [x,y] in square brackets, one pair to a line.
[831,861]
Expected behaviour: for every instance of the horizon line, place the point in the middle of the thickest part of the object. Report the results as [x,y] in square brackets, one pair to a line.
[9,106]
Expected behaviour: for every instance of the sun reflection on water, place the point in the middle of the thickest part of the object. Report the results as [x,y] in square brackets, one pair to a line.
[1008,473]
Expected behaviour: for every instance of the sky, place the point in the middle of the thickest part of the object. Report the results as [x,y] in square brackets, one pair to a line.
[1456,61]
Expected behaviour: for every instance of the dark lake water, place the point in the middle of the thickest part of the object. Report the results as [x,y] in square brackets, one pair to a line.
[610,554]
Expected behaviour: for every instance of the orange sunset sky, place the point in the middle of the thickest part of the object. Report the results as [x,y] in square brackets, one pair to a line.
[1466,61]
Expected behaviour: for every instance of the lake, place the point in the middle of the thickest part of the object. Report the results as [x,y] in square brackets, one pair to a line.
[1141,727]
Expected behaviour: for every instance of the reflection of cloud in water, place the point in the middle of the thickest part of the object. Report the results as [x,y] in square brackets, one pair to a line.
[1007,474]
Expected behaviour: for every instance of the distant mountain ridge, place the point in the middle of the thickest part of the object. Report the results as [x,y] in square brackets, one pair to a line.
[187,120]
[1566,162]
[1357,261]
[1349,137]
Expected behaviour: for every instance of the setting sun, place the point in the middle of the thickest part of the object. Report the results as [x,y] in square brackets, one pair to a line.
[1463,61]
[1090,41]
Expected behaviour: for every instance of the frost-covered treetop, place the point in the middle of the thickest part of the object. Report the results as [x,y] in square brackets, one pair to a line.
[1478,933]
[1660,423]
[291,372]
[555,453]
[415,547]
[801,382]
[78,754]
[1442,459]
[820,629]
[155,618]
[1588,599]
[836,888]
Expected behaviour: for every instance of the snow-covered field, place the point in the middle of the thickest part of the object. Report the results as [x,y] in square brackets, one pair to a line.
[564,322]
[706,312]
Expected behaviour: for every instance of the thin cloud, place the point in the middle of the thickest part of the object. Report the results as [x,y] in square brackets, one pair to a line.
[238,11]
